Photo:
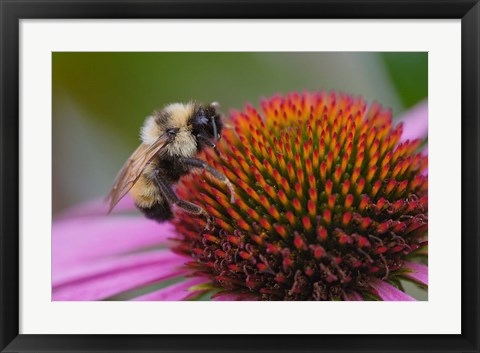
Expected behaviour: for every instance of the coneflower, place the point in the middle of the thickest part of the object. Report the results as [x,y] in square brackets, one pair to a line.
[331,203]
[328,201]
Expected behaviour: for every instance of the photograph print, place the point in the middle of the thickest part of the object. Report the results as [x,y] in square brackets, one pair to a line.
[249,176]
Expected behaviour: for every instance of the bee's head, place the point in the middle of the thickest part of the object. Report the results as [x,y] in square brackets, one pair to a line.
[189,128]
[206,125]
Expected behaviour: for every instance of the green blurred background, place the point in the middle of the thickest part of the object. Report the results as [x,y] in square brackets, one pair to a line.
[101,99]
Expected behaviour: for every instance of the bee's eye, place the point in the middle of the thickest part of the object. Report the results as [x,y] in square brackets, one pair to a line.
[172,132]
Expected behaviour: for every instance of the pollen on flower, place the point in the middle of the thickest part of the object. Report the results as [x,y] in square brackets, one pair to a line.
[327,198]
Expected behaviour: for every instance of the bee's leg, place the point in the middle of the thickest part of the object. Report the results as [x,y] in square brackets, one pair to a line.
[214,125]
[172,198]
[198,163]
[209,143]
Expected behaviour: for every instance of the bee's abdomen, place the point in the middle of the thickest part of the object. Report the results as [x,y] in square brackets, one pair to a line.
[159,211]
[145,192]
[148,198]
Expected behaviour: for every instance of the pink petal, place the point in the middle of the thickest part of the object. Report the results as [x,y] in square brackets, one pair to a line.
[82,271]
[97,207]
[177,291]
[84,239]
[226,297]
[108,279]
[387,292]
[418,272]
[415,122]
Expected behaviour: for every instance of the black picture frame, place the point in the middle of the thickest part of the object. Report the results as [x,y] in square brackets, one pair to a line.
[12,11]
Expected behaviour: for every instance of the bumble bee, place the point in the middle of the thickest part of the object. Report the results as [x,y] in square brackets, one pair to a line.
[171,139]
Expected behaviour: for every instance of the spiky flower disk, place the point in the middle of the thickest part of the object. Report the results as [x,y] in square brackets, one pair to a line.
[326,199]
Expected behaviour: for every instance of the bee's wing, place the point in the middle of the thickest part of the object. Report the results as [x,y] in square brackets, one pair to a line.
[132,169]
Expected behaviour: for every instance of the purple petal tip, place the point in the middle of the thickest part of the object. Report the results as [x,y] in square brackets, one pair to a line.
[387,292]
